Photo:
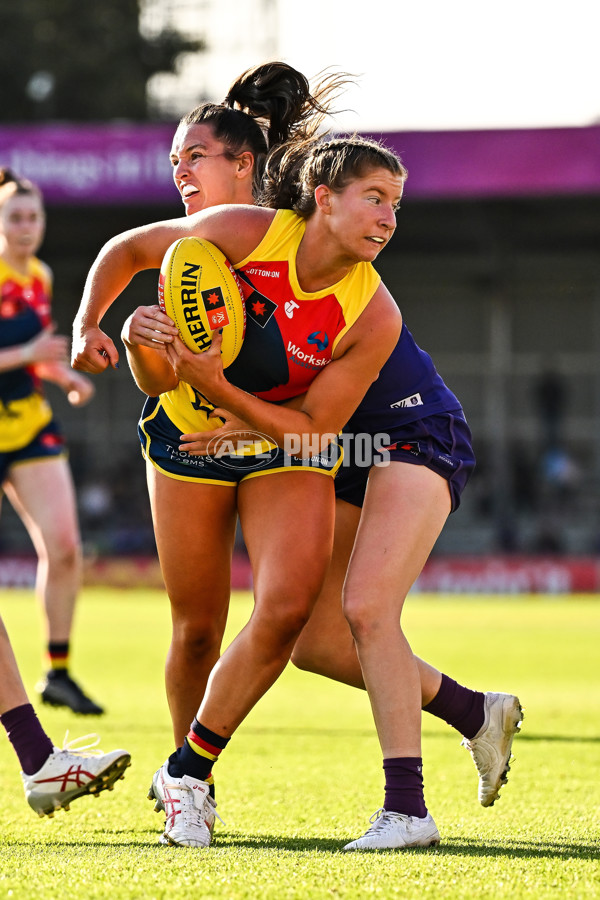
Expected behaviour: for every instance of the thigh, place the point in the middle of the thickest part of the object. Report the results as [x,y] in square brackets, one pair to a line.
[194,526]
[287,519]
[404,512]
[43,495]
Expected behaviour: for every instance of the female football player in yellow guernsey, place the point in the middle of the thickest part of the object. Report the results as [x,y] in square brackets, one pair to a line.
[215,155]
[34,472]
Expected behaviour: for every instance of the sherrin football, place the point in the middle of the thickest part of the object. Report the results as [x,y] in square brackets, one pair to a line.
[199,289]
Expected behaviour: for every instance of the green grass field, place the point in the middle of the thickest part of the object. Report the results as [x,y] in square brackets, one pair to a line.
[303,774]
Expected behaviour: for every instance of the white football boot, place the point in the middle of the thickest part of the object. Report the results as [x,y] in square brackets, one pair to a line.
[395,831]
[71,773]
[491,746]
[188,806]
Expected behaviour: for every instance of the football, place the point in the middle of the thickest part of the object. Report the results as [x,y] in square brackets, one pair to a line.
[199,289]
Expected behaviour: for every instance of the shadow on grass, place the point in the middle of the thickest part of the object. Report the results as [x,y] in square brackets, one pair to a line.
[462,847]
[521,849]
[451,848]
[443,735]
[561,738]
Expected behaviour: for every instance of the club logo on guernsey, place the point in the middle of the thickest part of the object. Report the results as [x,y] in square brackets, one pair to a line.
[189,303]
[260,308]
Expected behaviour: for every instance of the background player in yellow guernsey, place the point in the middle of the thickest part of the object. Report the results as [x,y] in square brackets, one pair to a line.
[34,472]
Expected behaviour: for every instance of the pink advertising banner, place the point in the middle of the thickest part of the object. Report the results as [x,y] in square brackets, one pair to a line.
[98,164]
[512,163]
[485,575]
[129,163]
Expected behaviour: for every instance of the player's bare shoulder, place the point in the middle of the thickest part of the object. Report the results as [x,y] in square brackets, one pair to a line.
[381,319]
[236,229]
[385,305]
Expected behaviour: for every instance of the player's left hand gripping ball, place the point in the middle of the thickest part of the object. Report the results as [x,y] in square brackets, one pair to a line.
[199,289]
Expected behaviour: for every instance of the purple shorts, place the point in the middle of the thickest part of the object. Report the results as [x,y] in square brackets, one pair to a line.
[441,442]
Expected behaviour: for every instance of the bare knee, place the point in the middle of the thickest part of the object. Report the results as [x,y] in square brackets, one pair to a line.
[366,617]
[63,552]
[280,622]
[289,622]
[197,640]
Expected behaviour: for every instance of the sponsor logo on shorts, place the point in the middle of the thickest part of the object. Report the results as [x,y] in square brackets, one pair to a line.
[184,458]
[414,400]
[447,460]
[325,462]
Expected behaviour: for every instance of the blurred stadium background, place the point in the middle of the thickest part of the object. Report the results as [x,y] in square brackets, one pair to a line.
[495,265]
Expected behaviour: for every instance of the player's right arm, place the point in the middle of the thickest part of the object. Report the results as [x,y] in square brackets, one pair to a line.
[235,230]
[116,264]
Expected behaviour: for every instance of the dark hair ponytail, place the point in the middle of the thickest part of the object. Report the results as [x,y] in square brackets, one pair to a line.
[280,96]
[266,106]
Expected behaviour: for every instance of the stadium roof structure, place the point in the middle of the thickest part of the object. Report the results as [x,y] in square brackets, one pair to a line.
[125,163]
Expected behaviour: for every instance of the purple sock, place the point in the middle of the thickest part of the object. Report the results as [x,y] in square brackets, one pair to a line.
[32,744]
[459,706]
[404,786]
